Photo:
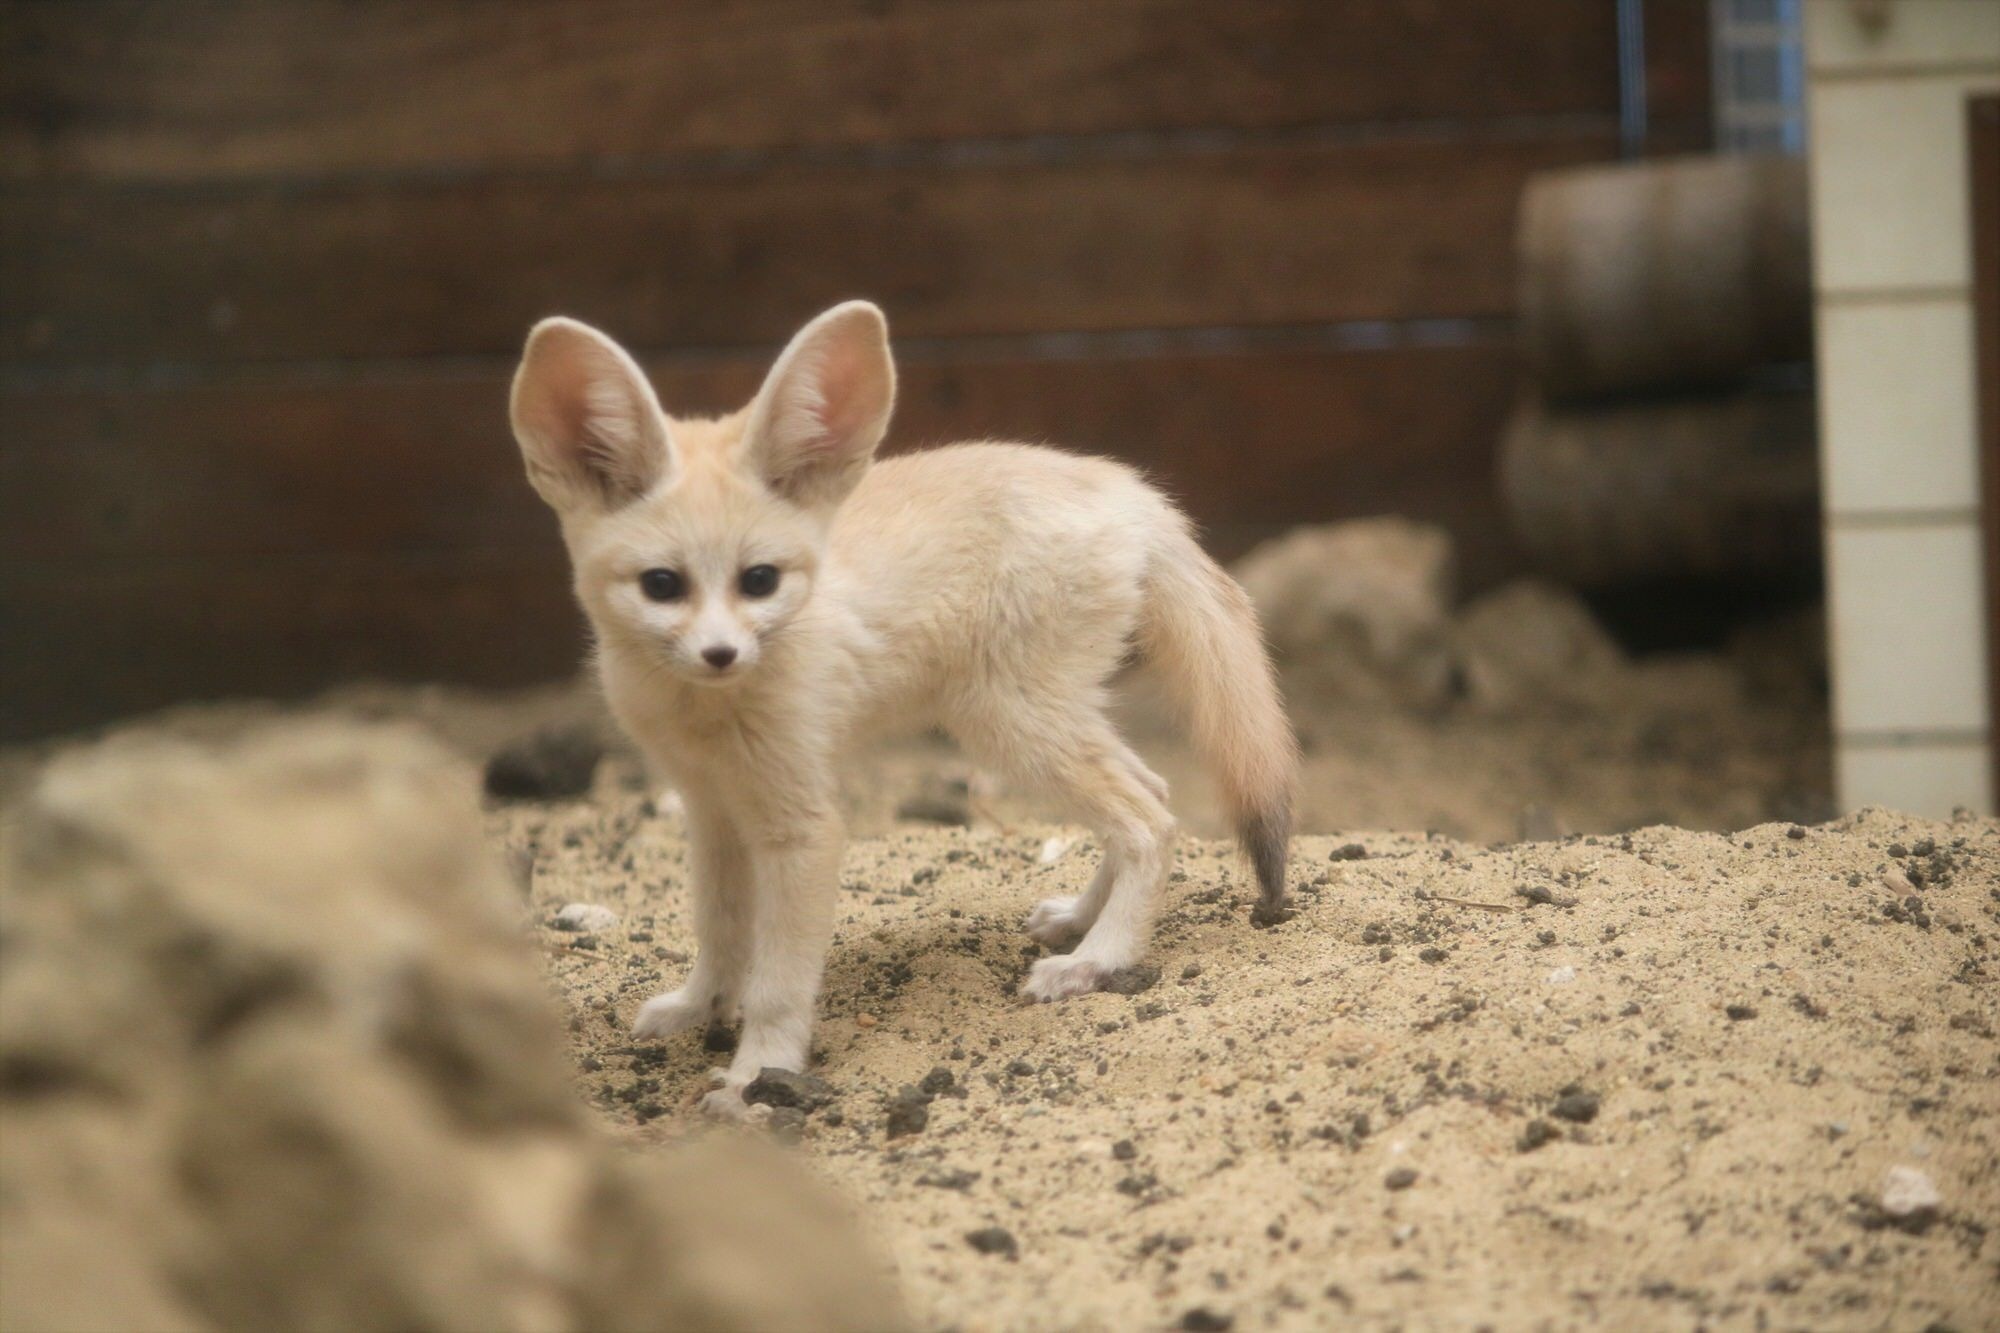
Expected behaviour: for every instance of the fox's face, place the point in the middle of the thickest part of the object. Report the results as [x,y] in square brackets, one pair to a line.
[696,544]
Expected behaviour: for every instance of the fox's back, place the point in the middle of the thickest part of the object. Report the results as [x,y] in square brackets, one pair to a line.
[978,557]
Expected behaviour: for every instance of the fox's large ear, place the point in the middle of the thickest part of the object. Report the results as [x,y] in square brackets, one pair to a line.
[589,426]
[824,407]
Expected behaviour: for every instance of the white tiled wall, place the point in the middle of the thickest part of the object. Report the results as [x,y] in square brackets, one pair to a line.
[1886,87]
[1898,405]
[1906,629]
[1889,191]
[1919,34]
[1927,777]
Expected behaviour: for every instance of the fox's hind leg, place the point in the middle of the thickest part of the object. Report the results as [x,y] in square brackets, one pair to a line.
[1060,922]
[1075,755]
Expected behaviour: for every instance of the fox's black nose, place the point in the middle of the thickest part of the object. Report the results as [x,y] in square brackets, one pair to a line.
[720,656]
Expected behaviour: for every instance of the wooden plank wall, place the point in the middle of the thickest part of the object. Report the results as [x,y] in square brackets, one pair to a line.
[264,265]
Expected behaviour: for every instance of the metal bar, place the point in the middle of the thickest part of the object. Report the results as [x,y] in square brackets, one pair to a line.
[1631,77]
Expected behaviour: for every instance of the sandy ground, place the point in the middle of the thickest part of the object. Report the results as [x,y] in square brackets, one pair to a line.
[1331,1121]
[1664,1090]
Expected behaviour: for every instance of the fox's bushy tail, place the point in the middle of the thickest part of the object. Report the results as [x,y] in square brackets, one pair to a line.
[1200,631]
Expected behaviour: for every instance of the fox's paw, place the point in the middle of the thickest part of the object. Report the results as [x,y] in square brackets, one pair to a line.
[1064,975]
[1056,922]
[664,1015]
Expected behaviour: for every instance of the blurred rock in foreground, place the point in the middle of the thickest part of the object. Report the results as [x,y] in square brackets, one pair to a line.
[274,1054]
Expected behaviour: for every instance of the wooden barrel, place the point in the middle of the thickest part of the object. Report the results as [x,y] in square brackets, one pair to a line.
[1674,273]
[1723,487]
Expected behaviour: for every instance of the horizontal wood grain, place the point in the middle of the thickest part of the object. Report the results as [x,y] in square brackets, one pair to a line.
[1288,233]
[126,89]
[425,464]
[102,643]
[270,539]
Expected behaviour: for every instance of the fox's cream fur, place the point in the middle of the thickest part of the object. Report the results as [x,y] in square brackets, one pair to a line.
[988,589]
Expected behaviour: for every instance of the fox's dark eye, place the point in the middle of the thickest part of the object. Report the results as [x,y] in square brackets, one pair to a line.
[758,580]
[663,585]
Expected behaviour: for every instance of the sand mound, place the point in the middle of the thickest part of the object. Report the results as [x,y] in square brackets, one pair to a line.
[1662,1079]
[273,1055]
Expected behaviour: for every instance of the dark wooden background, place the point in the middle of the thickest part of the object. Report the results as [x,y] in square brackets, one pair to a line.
[264,265]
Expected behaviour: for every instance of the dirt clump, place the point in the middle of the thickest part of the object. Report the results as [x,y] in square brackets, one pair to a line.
[275,1054]
[1363,606]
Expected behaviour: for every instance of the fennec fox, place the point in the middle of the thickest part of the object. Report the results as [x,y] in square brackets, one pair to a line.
[763,595]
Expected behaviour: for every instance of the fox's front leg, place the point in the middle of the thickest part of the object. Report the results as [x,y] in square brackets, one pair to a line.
[797,872]
[720,891]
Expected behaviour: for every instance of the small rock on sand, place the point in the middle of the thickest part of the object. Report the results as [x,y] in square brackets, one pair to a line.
[785,1088]
[1133,980]
[1537,1133]
[552,765]
[1909,1197]
[909,1112]
[585,918]
[994,1240]
[787,1124]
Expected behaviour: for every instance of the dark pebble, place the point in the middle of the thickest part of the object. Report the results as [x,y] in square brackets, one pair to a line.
[1191,971]
[1739,1012]
[1537,1133]
[783,1087]
[1400,1179]
[939,1081]
[1021,1069]
[1432,954]
[1201,1319]
[718,1037]
[1353,851]
[1124,1150]
[552,765]
[1898,850]
[1795,833]
[1576,1106]
[1133,980]
[1137,1185]
[1925,846]
[993,1240]
[909,1112]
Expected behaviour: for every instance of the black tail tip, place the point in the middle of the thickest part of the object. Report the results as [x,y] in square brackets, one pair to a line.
[1266,836]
